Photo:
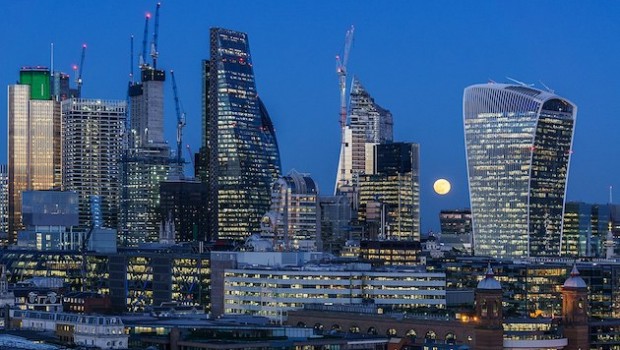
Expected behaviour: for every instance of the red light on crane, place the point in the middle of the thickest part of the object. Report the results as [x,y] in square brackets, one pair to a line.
[74,67]
[148,15]
[84,45]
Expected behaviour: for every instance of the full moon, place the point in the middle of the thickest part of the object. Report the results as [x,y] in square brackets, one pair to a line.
[441,186]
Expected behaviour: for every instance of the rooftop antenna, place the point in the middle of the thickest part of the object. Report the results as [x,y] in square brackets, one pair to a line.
[519,82]
[611,194]
[546,87]
[52,59]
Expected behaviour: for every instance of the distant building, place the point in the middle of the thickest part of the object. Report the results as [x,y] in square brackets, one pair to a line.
[391,252]
[49,218]
[184,201]
[294,204]
[389,198]
[518,141]
[239,154]
[92,134]
[368,123]
[33,140]
[146,161]
[335,217]
[585,228]
[455,221]
[86,303]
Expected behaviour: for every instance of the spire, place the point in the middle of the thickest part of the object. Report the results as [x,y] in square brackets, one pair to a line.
[489,273]
[574,272]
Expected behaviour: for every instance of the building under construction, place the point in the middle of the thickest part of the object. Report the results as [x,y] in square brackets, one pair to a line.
[147,160]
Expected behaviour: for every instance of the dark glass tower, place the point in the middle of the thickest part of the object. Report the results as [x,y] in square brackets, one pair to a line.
[518,141]
[239,156]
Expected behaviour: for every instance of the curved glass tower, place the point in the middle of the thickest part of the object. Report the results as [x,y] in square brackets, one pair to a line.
[240,146]
[518,142]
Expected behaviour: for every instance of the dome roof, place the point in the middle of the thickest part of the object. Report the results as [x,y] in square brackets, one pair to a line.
[489,281]
[575,281]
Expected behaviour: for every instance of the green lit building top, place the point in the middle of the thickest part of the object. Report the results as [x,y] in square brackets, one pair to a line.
[39,80]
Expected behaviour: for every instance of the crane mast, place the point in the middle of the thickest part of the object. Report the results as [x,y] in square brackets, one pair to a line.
[146,33]
[180,118]
[341,71]
[79,76]
[154,52]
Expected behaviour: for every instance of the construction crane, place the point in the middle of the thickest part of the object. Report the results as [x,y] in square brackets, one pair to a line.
[146,33]
[80,70]
[341,70]
[191,156]
[154,52]
[131,60]
[180,117]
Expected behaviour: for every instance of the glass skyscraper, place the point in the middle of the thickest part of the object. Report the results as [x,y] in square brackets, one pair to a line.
[368,124]
[239,154]
[389,192]
[518,142]
[33,142]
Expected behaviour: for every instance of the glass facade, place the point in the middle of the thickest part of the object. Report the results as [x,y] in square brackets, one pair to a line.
[4,204]
[92,132]
[389,199]
[146,162]
[369,123]
[33,142]
[294,203]
[240,148]
[518,142]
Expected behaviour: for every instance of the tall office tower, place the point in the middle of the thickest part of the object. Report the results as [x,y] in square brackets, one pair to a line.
[92,134]
[146,161]
[369,123]
[239,155]
[4,204]
[294,202]
[390,196]
[518,142]
[183,201]
[33,140]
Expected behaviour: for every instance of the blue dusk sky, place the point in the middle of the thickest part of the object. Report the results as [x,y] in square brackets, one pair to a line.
[414,57]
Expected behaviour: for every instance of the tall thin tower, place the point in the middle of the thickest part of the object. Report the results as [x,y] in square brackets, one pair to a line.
[341,70]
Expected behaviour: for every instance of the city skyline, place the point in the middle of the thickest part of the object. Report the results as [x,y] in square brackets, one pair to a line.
[415,59]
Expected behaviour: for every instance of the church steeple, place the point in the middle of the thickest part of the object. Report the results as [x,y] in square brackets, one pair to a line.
[575,311]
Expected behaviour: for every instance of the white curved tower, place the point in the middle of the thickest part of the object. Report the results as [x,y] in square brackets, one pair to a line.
[518,142]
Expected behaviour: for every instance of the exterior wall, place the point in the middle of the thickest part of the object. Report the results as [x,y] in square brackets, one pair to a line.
[518,142]
[92,147]
[273,293]
[242,151]
[440,329]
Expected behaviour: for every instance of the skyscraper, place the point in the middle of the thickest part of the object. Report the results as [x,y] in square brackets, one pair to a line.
[368,124]
[4,204]
[518,142]
[33,142]
[240,157]
[92,134]
[390,195]
[146,162]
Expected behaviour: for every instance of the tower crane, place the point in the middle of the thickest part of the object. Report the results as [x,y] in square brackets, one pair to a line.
[154,52]
[341,70]
[191,156]
[180,117]
[146,33]
[79,69]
